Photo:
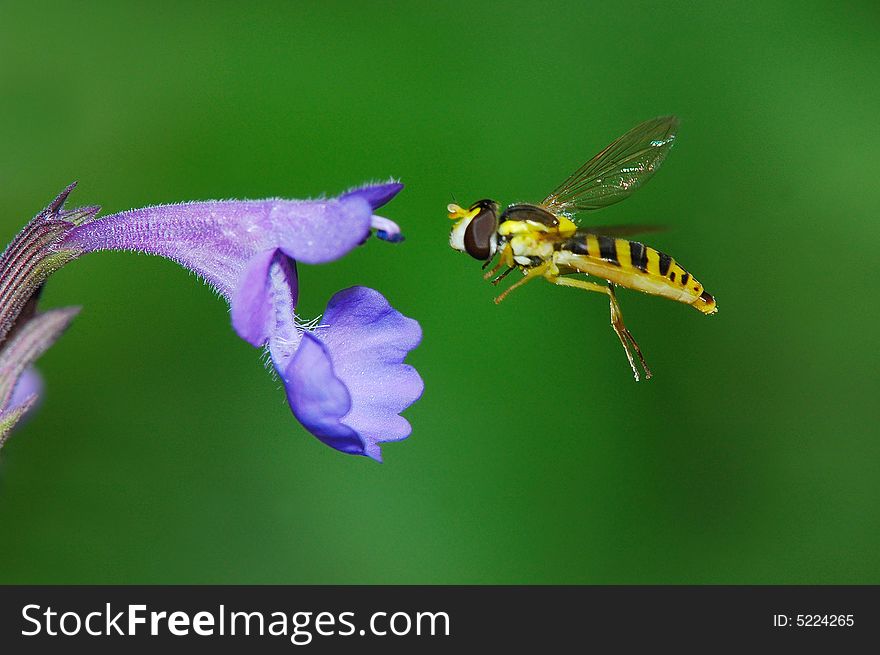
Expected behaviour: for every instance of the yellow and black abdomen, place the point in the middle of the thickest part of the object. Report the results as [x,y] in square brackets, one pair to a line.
[633,265]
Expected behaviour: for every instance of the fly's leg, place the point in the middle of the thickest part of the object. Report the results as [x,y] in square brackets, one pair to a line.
[503,275]
[493,270]
[578,284]
[531,274]
[505,259]
[626,338]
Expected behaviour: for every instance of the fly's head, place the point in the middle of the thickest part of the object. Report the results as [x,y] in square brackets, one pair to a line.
[476,229]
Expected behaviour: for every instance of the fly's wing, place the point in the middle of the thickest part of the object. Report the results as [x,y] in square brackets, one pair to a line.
[617,171]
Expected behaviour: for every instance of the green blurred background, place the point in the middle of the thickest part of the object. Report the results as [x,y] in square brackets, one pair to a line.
[164,452]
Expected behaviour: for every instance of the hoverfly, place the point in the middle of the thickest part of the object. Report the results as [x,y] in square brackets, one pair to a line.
[543,240]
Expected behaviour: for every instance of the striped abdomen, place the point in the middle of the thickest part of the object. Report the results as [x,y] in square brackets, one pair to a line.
[633,265]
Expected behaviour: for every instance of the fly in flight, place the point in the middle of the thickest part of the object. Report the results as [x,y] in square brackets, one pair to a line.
[542,240]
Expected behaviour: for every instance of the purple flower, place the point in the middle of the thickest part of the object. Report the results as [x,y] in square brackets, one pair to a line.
[345,378]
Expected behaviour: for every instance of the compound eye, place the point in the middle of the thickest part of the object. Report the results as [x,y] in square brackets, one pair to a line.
[479,233]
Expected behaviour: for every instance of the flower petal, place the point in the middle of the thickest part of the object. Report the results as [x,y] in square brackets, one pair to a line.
[318,398]
[365,341]
[324,231]
[254,300]
[375,194]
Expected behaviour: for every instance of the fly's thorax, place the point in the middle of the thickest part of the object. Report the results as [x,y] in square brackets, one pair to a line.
[559,226]
[535,214]
[532,230]
[528,246]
